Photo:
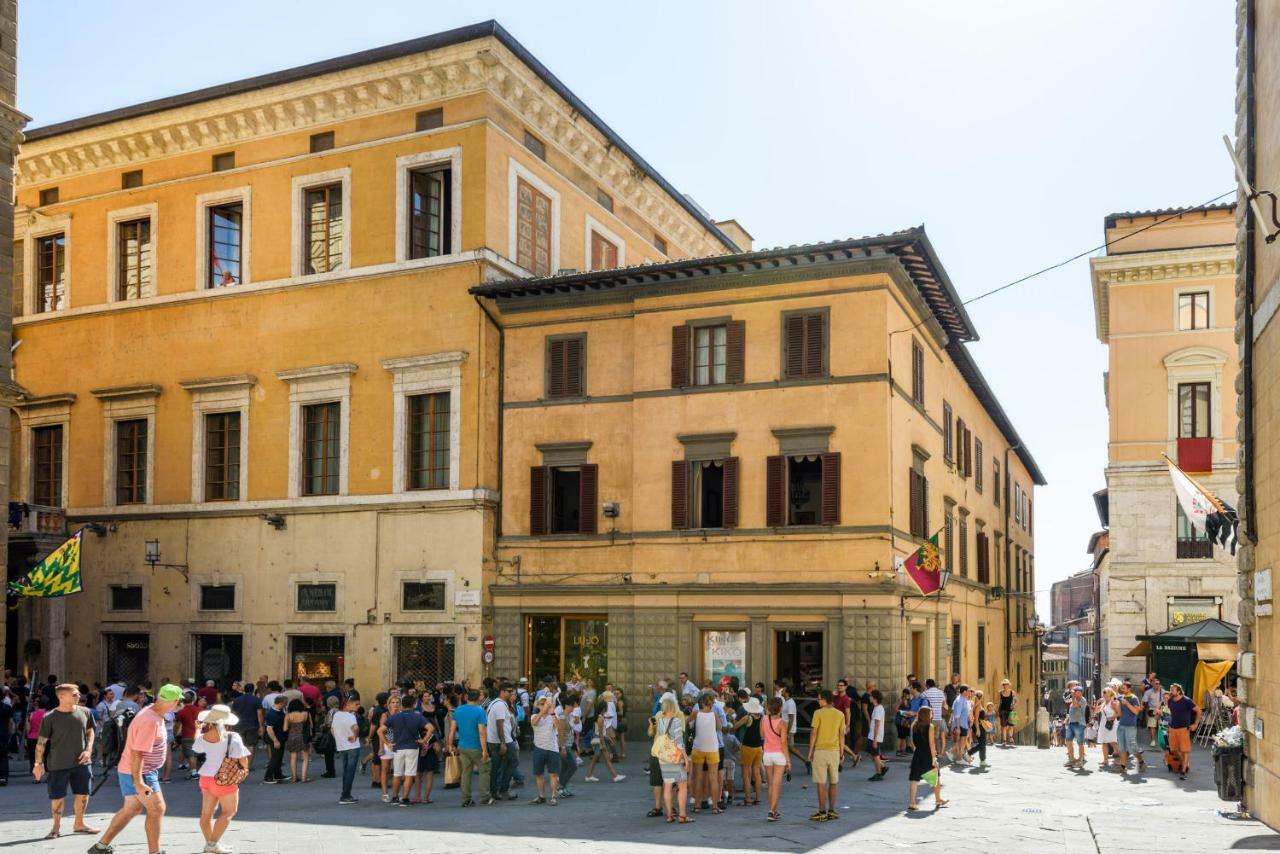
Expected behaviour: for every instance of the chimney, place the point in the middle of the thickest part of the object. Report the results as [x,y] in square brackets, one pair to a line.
[736,233]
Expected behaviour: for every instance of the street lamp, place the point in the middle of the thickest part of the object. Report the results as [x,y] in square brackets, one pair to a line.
[151,554]
[944,575]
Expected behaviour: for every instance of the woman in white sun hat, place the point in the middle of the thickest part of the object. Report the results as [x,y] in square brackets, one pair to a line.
[219,785]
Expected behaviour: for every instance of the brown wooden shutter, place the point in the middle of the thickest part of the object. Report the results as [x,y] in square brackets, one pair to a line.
[793,333]
[830,489]
[730,498]
[555,368]
[947,434]
[814,345]
[588,498]
[924,507]
[679,356]
[914,515]
[573,368]
[775,505]
[735,337]
[539,483]
[679,495]
[968,452]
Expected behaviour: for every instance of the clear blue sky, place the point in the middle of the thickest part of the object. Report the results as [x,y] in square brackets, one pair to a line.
[1008,129]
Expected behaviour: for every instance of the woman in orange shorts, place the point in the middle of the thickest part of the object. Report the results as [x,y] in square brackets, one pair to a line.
[216,742]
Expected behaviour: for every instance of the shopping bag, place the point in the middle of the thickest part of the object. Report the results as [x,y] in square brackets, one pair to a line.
[452,772]
[930,777]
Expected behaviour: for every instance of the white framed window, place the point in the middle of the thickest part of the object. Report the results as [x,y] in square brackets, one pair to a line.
[223,247]
[599,254]
[533,234]
[422,375]
[129,439]
[429,204]
[1194,308]
[131,253]
[321,218]
[1186,367]
[46,265]
[310,389]
[216,457]
[46,443]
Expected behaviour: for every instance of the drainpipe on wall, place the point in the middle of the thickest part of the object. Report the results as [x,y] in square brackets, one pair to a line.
[502,374]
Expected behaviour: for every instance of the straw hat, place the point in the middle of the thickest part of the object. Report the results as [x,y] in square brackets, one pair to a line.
[218,714]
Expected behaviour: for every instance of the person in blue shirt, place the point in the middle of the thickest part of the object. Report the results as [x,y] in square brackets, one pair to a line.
[1127,732]
[467,741]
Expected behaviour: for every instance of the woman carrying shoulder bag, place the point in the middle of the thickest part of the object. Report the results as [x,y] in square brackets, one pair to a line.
[226,765]
[668,749]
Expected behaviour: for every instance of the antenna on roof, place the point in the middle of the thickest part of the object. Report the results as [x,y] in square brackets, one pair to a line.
[1252,195]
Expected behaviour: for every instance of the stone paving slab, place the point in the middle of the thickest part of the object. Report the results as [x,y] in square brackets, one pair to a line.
[1026,801]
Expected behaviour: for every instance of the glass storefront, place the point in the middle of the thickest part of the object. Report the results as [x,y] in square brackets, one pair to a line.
[569,648]
[318,657]
[724,657]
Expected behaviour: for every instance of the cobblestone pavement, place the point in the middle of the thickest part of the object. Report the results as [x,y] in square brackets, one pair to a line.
[1026,801]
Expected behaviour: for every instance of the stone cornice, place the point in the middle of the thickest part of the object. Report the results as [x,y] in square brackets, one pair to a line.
[484,65]
[1153,268]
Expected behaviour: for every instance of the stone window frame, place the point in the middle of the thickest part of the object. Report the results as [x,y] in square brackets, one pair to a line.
[129,580]
[803,441]
[426,374]
[45,226]
[297,253]
[217,578]
[115,218]
[593,224]
[1189,365]
[127,403]
[337,579]
[407,163]
[1204,287]
[447,577]
[53,410]
[205,201]
[209,396]
[515,172]
[318,384]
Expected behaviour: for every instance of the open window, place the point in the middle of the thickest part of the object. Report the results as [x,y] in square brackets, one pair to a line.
[563,498]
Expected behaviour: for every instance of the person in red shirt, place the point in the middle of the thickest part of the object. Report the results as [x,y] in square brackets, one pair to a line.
[310,693]
[185,732]
[843,703]
[209,693]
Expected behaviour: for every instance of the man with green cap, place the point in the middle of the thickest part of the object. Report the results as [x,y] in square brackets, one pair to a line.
[139,771]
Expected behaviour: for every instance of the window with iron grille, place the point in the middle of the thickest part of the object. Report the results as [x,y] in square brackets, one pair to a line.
[133,250]
[51,281]
[429,441]
[957,634]
[1192,543]
[126,597]
[222,456]
[322,228]
[131,461]
[424,661]
[46,451]
[226,244]
[422,596]
[430,217]
[217,597]
[317,597]
[321,451]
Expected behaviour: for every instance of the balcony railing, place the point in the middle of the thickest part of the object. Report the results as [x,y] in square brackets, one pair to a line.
[1195,455]
[1194,548]
[36,519]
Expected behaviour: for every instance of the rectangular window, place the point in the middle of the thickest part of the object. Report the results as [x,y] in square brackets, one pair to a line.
[222,456]
[131,180]
[321,141]
[224,161]
[1193,411]
[49,196]
[604,252]
[226,244]
[131,461]
[1017,504]
[51,281]
[948,433]
[566,366]
[707,481]
[217,597]
[533,229]
[1193,543]
[321,451]
[804,491]
[322,228]
[126,597]
[563,500]
[804,345]
[982,652]
[566,502]
[535,145]
[428,441]
[430,216]
[995,478]
[957,635]
[977,464]
[605,200]
[1193,310]
[429,119]
[133,259]
[710,353]
[46,451]
[917,373]
[919,505]
[422,596]
[317,597]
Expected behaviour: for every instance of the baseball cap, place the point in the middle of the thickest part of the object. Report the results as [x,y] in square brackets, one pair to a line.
[169,693]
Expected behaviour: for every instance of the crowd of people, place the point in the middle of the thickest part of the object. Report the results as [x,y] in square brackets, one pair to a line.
[710,746]
[1114,723]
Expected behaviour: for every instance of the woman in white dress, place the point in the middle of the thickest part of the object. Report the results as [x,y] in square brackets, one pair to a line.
[1108,713]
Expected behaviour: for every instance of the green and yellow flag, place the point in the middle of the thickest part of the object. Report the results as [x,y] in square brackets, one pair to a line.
[56,575]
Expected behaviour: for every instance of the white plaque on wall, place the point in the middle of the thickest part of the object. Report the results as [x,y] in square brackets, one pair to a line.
[466,599]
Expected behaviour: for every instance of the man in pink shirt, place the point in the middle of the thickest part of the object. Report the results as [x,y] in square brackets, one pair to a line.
[310,693]
[140,762]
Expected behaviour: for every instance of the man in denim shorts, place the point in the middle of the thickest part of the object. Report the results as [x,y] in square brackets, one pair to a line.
[1077,709]
[1127,731]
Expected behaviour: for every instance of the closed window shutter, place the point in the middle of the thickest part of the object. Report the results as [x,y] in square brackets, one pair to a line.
[730,506]
[539,480]
[968,452]
[775,509]
[679,356]
[813,346]
[924,507]
[679,495]
[573,385]
[915,523]
[588,498]
[964,547]
[735,351]
[949,541]
[947,432]
[555,368]
[795,346]
[831,489]
[533,229]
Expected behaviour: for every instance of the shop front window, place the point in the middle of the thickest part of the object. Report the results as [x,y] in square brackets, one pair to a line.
[570,648]
[724,657]
[318,656]
[799,658]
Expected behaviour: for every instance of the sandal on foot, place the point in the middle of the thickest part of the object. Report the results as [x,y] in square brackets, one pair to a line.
[653,813]
[684,819]
[671,819]
[53,834]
